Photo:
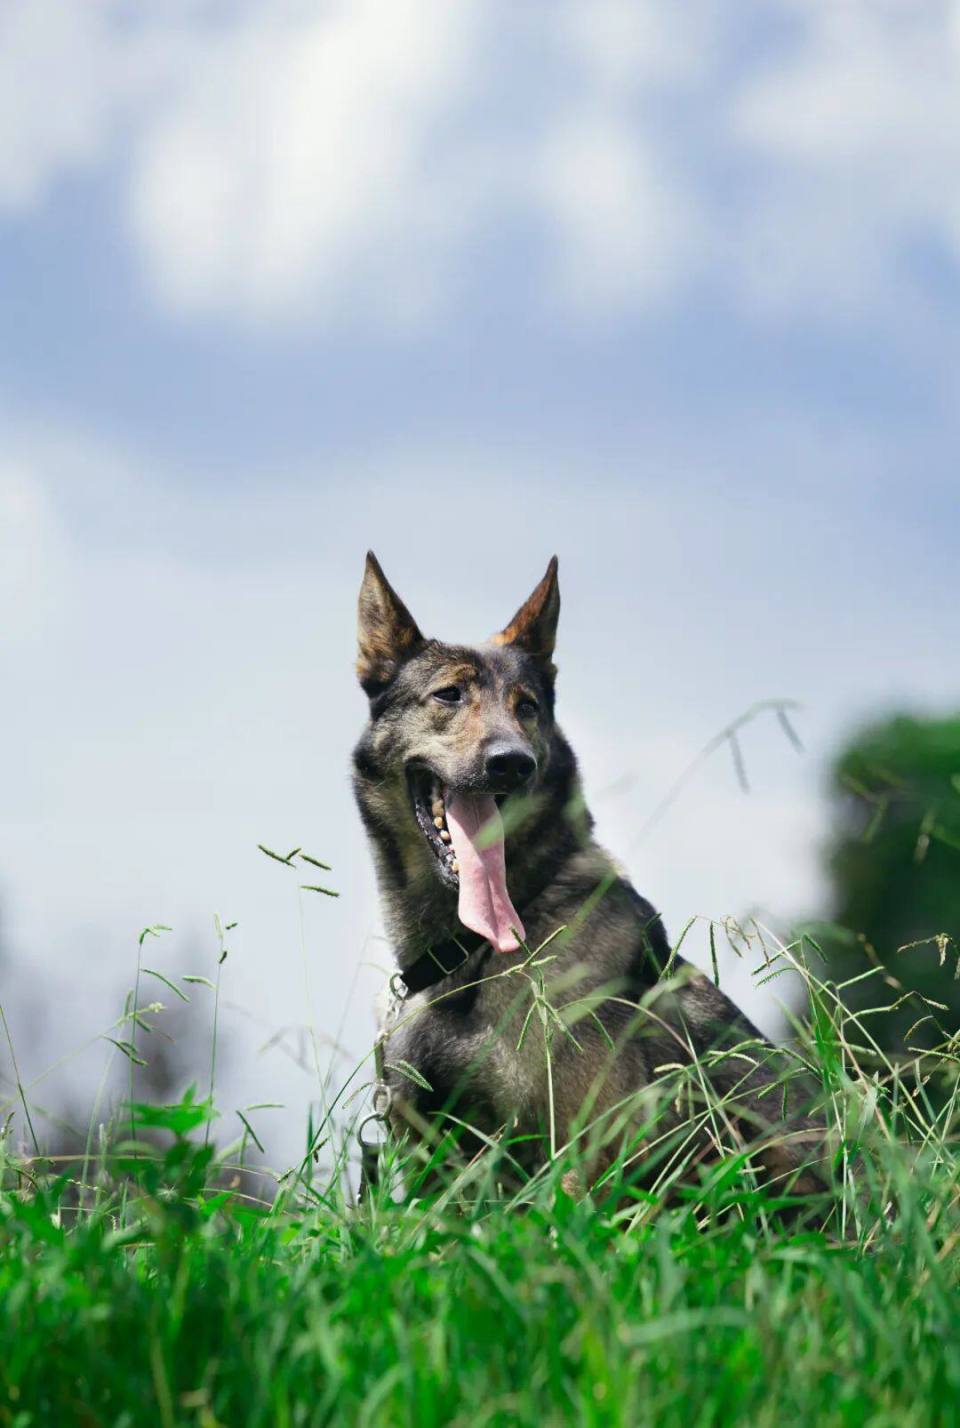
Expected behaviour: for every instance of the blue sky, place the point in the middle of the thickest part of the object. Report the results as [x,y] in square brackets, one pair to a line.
[675,295]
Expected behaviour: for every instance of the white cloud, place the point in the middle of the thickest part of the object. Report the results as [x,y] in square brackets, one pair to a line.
[858,126]
[78,82]
[622,43]
[318,160]
[301,160]
[620,231]
[31,553]
[56,95]
[343,160]
[297,154]
[867,85]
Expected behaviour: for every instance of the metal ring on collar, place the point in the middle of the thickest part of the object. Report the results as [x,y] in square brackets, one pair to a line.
[364,1142]
[382,1100]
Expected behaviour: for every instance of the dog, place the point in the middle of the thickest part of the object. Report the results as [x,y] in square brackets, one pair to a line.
[541,1003]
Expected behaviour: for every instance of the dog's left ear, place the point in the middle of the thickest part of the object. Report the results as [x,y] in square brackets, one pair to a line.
[534,626]
[387,634]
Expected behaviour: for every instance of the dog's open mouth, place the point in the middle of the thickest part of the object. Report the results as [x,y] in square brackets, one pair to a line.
[464,831]
[430,809]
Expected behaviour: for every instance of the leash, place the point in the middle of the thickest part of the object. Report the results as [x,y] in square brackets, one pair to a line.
[434,966]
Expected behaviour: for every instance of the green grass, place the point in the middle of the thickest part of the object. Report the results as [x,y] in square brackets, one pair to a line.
[139,1289]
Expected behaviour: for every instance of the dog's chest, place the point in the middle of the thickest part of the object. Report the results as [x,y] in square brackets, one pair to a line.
[470,1055]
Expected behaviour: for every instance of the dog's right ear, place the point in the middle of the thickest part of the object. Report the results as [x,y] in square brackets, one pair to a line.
[387,634]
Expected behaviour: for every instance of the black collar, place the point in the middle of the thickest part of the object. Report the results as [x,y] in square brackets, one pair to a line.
[440,961]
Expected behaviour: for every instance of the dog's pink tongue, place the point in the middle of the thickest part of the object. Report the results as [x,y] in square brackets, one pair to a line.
[476,831]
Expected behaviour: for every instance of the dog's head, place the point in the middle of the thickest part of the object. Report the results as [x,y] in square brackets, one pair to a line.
[455,730]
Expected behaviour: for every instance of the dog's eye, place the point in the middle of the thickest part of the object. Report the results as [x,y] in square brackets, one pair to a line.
[450,694]
[527,709]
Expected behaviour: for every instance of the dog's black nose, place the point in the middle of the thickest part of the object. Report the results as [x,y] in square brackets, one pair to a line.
[509,766]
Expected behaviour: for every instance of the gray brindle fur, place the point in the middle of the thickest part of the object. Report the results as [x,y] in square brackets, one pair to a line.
[462,1035]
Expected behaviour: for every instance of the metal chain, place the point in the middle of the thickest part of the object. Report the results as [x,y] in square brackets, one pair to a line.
[382,1096]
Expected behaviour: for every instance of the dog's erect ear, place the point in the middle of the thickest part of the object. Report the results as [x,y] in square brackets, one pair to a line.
[387,633]
[534,626]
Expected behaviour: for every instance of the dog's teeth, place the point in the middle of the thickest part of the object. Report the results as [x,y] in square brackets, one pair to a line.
[454,866]
[443,832]
[438,822]
[437,809]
